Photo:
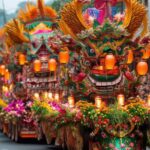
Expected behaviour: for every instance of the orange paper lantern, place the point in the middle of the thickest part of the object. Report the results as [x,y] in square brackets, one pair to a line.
[37,65]
[142,68]
[22,59]
[2,70]
[110,61]
[64,57]
[130,57]
[145,54]
[7,75]
[52,64]
[101,68]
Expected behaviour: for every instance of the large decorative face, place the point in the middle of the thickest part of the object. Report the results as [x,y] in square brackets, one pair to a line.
[101,60]
[102,44]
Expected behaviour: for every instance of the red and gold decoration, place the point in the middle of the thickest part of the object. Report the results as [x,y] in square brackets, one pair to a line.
[79,73]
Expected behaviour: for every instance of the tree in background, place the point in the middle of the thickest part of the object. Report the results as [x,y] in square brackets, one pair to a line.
[58,4]
[1,17]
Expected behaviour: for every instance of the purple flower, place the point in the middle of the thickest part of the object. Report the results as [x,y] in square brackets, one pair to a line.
[16,108]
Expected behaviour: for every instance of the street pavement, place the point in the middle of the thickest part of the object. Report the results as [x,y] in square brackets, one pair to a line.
[7,144]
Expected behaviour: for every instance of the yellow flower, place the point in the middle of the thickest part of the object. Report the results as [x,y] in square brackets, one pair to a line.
[2,103]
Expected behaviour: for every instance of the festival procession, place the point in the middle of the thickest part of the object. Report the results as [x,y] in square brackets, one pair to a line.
[75,75]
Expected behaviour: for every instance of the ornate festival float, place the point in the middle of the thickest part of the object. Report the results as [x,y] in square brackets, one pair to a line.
[108,67]
[81,79]
[31,59]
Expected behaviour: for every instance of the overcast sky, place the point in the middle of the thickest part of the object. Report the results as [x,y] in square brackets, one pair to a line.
[11,5]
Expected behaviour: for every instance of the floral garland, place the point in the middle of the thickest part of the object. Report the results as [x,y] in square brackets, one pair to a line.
[16,108]
[116,127]
[86,114]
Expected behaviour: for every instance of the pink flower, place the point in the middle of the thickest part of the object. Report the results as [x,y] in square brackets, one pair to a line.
[29,104]
[119,17]
[103,135]
[122,145]
[127,148]
[136,119]
[79,115]
[111,145]
[131,144]
[132,135]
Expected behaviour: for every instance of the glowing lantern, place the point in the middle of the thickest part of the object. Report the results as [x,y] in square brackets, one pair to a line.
[130,57]
[101,68]
[22,59]
[50,95]
[5,89]
[52,64]
[36,95]
[7,75]
[56,97]
[2,70]
[37,65]
[121,99]
[110,61]
[64,57]
[11,87]
[71,101]
[148,101]
[98,101]
[142,68]
[145,54]
[45,95]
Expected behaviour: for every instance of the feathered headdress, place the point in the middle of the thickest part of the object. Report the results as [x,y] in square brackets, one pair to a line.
[14,31]
[35,12]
